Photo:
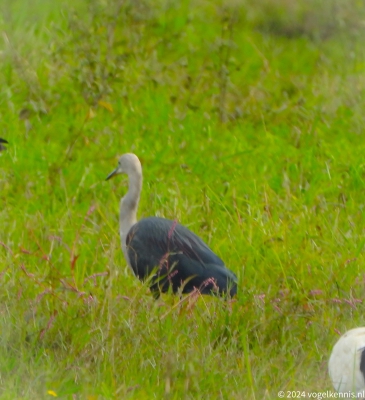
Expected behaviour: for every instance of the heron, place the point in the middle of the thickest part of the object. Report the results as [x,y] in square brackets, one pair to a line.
[346,365]
[2,142]
[173,257]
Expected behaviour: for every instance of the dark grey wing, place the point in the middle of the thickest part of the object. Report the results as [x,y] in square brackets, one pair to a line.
[145,248]
[192,246]
[179,256]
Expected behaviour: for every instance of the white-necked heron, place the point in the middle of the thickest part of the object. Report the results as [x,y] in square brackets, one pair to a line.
[181,261]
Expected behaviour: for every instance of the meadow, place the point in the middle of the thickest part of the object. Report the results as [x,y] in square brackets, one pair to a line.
[248,117]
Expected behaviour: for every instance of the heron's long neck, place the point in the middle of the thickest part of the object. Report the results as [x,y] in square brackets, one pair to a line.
[129,204]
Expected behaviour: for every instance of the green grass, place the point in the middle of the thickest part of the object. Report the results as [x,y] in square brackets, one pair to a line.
[248,118]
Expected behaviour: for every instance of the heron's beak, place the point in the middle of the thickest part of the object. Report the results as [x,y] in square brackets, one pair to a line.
[115,172]
[3,141]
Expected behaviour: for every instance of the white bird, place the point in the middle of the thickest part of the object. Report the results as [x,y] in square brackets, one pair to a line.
[346,365]
[181,261]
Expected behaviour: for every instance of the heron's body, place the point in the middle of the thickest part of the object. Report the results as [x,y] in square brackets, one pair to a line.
[346,365]
[179,260]
[178,256]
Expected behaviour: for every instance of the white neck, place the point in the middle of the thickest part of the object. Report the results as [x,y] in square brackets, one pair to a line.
[129,204]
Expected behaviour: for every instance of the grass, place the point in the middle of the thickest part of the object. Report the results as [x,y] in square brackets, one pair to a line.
[249,123]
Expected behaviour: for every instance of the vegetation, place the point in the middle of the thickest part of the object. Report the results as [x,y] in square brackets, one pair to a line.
[248,117]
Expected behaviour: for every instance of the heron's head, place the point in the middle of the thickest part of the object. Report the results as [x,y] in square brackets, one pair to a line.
[128,163]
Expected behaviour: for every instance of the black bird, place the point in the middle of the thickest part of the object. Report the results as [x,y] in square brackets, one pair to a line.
[2,142]
[179,259]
